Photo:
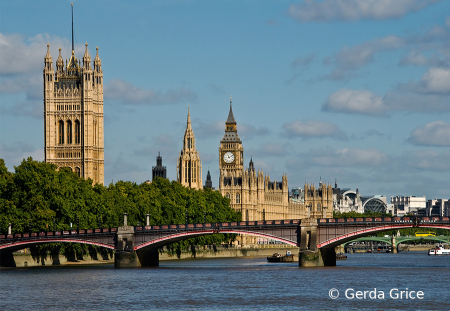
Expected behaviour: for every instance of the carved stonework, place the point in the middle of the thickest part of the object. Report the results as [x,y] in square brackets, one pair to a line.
[65,93]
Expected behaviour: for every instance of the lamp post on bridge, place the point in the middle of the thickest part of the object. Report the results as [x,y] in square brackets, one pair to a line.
[148,220]
[186,216]
[204,217]
[100,222]
[54,225]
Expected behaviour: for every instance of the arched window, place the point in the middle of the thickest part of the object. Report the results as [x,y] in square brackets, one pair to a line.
[61,132]
[77,132]
[78,171]
[194,175]
[69,132]
[238,198]
[227,195]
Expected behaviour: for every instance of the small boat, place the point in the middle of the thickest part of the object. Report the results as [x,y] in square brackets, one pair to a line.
[277,257]
[439,250]
[341,256]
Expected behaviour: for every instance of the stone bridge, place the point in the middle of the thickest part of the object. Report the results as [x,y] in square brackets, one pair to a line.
[138,246]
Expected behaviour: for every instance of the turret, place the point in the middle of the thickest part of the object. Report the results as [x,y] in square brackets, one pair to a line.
[48,72]
[86,59]
[59,66]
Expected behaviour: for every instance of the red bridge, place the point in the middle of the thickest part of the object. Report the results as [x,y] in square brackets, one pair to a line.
[138,246]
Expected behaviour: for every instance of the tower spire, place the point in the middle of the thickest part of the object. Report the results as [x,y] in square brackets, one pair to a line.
[230,119]
[73,49]
[188,125]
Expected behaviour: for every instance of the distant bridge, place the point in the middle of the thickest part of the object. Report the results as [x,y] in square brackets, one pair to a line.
[401,239]
[138,246]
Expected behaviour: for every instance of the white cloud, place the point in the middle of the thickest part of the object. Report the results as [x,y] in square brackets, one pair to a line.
[349,59]
[21,55]
[432,134]
[429,160]
[348,10]
[436,80]
[358,102]
[130,94]
[429,94]
[312,129]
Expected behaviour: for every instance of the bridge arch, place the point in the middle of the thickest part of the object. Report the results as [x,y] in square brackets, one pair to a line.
[364,232]
[192,234]
[24,244]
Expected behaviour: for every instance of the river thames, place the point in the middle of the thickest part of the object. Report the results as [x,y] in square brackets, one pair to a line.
[235,284]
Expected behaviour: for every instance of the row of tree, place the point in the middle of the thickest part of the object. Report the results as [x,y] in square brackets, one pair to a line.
[39,194]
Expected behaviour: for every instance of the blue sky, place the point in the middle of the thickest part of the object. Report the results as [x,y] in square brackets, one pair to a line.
[354,90]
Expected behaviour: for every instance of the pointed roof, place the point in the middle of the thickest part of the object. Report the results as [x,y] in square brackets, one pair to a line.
[97,60]
[48,57]
[188,125]
[230,119]
[86,53]
[60,61]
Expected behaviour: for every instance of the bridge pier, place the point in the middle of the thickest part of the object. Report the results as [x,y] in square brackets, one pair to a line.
[139,258]
[394,247]
[324,257]
[125,255]
[309,255]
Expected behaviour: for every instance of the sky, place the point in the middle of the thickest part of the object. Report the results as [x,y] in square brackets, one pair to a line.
[350,90]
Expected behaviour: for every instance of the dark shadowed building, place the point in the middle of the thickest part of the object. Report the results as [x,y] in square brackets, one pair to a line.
[158,170]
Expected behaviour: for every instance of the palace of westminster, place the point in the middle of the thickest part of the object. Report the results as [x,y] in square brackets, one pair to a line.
[74,131]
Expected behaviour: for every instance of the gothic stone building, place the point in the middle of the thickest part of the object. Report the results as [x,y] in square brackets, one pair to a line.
[252,193]
[319,202]
[189,167]
[73,112]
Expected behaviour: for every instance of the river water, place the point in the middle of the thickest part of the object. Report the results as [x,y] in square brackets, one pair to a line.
[234,284]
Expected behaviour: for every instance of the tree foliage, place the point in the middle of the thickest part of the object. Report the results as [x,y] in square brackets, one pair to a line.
[39,194]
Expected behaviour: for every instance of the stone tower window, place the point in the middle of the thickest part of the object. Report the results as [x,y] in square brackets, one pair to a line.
[77,132]
[61,132]
[227,195]
[238,198]
[69,132]
[78,171]
[194,172]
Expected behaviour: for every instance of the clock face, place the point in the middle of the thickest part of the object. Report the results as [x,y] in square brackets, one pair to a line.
[228,157]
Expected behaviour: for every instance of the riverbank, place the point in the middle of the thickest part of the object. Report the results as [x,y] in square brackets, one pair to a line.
[25,259]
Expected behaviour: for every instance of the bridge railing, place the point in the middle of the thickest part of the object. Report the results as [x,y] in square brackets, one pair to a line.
[178,227]
[365,220]
[57,234]
[220,225]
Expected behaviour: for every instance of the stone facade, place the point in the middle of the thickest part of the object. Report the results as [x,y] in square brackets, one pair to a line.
[249,191]
[73,113]
[319,202]
[189,166]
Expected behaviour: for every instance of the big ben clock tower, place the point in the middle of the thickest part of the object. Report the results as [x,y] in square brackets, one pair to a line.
[231,163]
[231,151]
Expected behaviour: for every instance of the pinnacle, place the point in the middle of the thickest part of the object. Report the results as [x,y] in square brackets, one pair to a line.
[230,119]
